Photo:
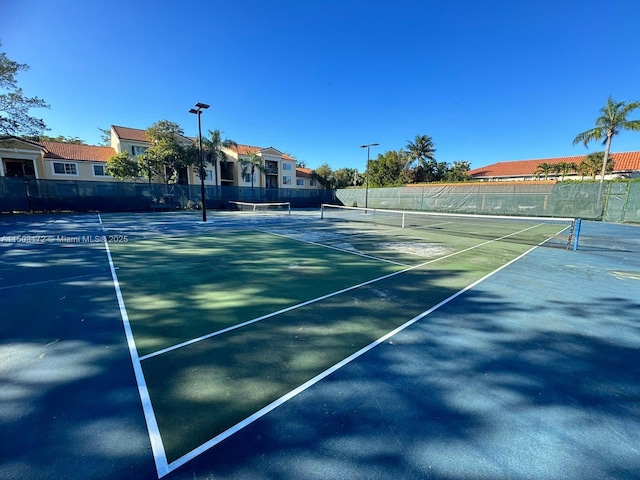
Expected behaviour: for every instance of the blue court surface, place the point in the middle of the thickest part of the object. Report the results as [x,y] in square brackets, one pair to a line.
[533,373]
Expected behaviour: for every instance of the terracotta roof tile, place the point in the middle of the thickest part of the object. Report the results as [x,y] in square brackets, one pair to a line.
[126,133]
[622,162]
[304,172]
[72,151]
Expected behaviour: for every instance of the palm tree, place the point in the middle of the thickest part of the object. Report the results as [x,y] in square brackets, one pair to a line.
[612,120]
[563,168]
[421,150]
[592,164]
[544,168]
[213,152]
[251,162]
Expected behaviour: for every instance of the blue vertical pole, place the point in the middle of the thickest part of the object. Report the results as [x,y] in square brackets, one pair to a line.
[576,233]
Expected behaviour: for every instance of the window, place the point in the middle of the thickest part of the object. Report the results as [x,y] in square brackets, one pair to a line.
[208,175]
[313,182]
[136,150]
[300,182]
[286,166]
[286,180]
[60,168]
[98,171]
[247,177]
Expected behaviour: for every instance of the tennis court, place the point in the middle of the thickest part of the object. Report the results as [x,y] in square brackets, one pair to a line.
[226,321]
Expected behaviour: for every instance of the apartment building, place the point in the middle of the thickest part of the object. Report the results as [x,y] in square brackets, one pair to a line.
[27,158]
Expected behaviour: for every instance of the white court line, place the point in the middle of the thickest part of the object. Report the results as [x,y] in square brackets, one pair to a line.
[56,280]
[324,297]
[157,447]
[309,383]
[332,247]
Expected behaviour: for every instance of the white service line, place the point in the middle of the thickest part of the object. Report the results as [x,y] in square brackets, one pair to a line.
[309,383]
[334,248]
[324,297]
[157,447]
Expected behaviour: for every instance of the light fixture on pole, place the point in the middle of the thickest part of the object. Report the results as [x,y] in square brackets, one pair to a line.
[366,195]
[198,111]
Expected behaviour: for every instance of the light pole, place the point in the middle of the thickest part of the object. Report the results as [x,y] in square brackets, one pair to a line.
[366,195]
[198,111]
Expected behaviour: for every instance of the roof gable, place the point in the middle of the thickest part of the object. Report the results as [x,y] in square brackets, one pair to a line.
[9,141]
[137,135]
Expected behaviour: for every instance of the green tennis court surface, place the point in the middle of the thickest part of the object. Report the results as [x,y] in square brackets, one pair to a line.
[228,320]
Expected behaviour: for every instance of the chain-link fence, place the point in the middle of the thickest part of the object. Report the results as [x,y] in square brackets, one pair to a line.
[612,202]
[18,194]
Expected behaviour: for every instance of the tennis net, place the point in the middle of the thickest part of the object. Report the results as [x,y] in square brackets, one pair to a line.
[548,231]
[262,207]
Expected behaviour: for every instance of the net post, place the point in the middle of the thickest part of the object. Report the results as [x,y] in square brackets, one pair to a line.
[321,211]
[289,208]
[403,216]
[576,233]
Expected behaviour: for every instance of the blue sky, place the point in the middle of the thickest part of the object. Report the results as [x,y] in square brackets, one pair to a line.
[487,80]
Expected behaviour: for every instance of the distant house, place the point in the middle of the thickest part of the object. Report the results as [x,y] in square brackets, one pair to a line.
[55,160]
[626,165]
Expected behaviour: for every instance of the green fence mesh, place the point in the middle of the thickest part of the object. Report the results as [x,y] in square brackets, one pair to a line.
[548,199]
[17,194]
[632,208]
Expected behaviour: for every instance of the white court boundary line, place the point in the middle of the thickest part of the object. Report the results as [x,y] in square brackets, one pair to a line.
[321,376]
[162,466]
[333,247]
[157,447]
[324,297]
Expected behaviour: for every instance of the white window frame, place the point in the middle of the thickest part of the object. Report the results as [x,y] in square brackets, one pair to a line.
[208,175]
[246,177]
[286,180]
[300,182]
[74,167]
[286,167]
[138,150]
[104,172]
[313,182]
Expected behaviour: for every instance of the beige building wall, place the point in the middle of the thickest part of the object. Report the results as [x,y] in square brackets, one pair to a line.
[57,169]
[17,151]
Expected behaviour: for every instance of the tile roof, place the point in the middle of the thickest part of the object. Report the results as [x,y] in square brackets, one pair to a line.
[624,161]
[247,149]
[73,151]
[126,133]
[304,172]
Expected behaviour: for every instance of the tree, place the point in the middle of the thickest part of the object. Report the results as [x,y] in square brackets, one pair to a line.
[346,177]
[59,138]
[388,170]
[14,106]
[324,175]
[458,172]
[168,152]
[421,153]
[105,136]
[545,169]
[250,163]
[421,150]
[592,165]
[299,163]
[612,120]
[212,149]
[563,168]
[123,166]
